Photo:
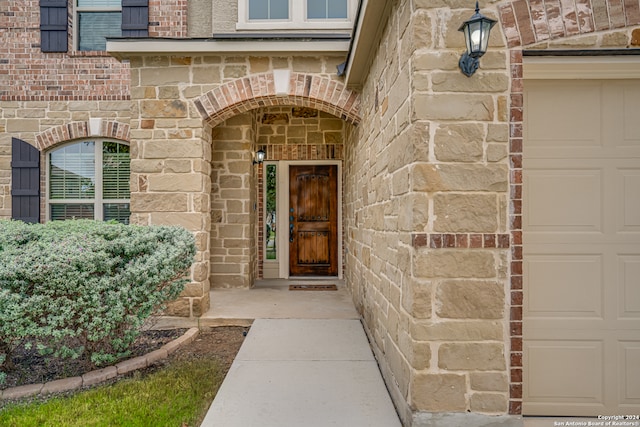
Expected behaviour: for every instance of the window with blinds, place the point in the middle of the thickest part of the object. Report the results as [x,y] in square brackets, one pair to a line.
[89,179]
[95,21]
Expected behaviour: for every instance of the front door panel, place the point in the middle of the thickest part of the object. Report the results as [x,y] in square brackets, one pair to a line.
[313,220]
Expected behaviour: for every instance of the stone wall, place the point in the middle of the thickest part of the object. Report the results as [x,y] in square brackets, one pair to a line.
[198,166]
[233,197]
[426,206]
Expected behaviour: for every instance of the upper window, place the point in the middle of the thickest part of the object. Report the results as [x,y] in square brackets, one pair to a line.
[268,9]
[295,14]
[326,9]
[95,20]
[89,179]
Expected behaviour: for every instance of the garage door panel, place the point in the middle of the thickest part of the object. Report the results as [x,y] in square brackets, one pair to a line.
[629,200]
[563,200]
[564,371]
[630,123]
[629,287]
[581,248]
[629,372]
[554,281]
[574,115]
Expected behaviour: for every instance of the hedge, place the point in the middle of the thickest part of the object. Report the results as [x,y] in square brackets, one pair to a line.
[86,287]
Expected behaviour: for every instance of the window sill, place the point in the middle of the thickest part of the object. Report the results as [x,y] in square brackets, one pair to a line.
[300,26]
[88,53]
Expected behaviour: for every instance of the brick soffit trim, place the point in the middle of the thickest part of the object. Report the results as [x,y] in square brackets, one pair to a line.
[526,22]
[77,130]
[256,91]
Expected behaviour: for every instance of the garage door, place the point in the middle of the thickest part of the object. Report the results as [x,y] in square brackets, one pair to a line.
[581,222]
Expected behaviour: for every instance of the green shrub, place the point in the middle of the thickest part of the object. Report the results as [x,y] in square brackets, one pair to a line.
[84,286]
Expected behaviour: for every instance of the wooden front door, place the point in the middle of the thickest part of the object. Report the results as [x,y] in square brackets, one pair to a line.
[313,220]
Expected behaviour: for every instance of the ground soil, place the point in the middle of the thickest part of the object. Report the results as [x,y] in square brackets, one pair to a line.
[220,343]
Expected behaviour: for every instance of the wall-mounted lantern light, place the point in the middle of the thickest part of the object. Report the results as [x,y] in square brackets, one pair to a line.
[259,157]
[476,36]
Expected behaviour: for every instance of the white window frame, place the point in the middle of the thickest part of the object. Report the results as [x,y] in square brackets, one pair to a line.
[97,200]
[76,21]
[297,19]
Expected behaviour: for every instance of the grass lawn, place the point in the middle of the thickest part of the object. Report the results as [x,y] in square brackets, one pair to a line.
[177,396]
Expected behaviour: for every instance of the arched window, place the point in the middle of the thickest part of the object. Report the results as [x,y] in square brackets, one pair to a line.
[89,179]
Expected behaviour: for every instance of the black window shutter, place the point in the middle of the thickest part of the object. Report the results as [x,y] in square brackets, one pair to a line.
[135,18]
[25,181]
[53,26]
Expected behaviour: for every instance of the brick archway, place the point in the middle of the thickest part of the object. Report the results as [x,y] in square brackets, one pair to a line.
[77,130]
[305,90]
[526,22]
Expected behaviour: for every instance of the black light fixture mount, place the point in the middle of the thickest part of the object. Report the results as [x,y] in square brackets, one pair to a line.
[259,157]
[476,36]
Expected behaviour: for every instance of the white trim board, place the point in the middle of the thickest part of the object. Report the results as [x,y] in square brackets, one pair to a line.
[581,67]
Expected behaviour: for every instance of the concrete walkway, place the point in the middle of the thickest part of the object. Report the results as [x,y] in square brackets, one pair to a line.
[301,371]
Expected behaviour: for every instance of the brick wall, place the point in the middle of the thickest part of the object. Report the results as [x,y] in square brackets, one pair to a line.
[168,18]
[29,74]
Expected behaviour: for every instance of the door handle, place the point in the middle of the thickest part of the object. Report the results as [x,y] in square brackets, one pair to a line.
[290,233]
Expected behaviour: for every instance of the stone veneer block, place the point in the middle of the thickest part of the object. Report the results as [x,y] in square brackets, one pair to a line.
[173,149]
[489,381]
[489,403]
[176,182]
[459,177]
[190,221]
[149,202]
[454,264]
[459,142]
[418,354]
[200,305]
[473,330]
[458,82]
[165,108]
[163,76]
[472,357]
[465,213]
[470,300]
[178,308]
[438,392]
[463,107]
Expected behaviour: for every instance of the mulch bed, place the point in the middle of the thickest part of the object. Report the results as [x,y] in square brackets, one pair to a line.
[31,368]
